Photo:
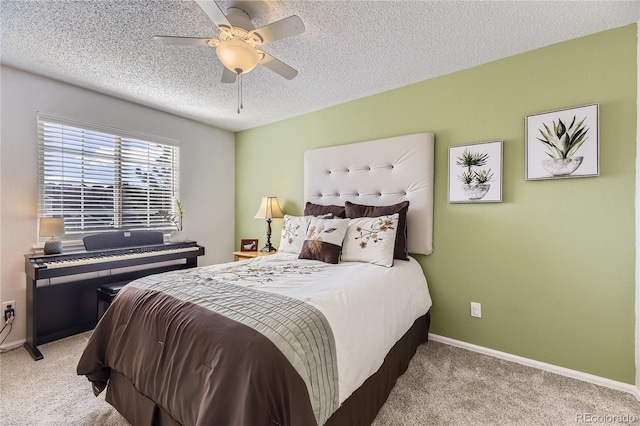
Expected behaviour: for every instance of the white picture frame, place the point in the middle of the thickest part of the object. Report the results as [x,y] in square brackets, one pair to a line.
[475,172]
[563,144]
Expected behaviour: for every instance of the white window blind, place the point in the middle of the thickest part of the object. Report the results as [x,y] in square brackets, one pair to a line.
[104,179]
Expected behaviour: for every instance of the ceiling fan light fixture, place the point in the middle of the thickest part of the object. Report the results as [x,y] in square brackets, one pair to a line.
[237,55]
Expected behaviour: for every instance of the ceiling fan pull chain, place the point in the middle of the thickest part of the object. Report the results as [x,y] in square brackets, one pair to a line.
[241,106]
[239,102]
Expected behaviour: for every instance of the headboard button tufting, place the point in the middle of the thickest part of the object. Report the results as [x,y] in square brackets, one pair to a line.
[356,172]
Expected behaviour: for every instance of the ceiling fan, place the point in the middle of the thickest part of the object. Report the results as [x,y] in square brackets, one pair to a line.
[237,42]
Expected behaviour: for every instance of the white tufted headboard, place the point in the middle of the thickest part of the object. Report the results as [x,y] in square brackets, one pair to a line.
[380,172]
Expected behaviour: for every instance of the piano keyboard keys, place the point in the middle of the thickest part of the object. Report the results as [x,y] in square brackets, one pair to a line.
[113,258]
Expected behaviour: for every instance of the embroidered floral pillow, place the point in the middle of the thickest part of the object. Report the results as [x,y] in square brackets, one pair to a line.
[359,210]
[294,232]
[371,240]
[324,239]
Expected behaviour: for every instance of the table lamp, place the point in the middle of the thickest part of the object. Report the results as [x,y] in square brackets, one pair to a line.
[52,227]
[269,209]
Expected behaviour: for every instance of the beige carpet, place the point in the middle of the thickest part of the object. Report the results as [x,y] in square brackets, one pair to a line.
[444,385]
[49,392]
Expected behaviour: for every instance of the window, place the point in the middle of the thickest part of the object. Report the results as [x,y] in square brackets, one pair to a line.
[103,179]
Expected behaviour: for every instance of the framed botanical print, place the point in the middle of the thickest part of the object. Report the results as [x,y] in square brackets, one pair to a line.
[563,143]
[475,173]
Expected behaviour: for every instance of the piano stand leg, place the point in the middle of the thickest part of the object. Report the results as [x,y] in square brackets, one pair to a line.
[34,352]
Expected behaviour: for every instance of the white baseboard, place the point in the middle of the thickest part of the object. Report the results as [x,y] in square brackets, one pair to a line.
[12,345]
[574,374]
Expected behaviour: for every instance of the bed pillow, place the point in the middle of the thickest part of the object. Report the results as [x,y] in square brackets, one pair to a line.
[358,210]
[294,232]
[371,240]
[311,209]
[324,239]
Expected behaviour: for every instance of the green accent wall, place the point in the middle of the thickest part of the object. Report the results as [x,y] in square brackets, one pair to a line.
[553,264]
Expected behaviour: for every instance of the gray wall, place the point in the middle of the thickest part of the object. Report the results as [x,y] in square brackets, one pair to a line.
[207,156]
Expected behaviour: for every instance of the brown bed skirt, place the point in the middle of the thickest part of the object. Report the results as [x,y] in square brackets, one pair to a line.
[360,409]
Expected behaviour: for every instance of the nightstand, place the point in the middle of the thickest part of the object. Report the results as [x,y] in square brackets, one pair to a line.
[242,255]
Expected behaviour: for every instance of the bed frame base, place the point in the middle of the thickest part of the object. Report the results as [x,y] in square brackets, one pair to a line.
[360,409]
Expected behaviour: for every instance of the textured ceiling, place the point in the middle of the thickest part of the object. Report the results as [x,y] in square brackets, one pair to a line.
[350,49]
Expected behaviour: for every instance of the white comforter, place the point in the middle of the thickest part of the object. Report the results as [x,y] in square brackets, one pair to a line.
[369,308]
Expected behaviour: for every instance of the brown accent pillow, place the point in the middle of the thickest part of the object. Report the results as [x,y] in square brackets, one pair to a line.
[359,210]
[311,209]
[318,250]
[324,240]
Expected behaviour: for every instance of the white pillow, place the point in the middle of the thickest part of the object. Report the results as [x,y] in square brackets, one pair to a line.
[371,240]
[294,231]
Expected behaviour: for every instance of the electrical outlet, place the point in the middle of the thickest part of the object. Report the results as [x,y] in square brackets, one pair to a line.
[9,308]
[476,310]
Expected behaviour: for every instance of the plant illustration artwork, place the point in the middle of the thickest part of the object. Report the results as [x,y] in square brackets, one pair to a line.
[563,143]
[475,183]
[476,168]
[564,140]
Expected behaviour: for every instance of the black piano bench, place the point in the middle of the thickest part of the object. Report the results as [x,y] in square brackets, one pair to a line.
[106,294]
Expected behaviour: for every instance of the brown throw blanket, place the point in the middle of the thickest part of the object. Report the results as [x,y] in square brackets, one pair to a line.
[210,352]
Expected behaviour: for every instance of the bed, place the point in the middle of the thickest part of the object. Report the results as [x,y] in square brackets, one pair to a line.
[315,335]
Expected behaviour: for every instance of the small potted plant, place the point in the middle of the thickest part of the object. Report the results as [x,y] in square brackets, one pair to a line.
[179,235]
[562,143]
[475,183]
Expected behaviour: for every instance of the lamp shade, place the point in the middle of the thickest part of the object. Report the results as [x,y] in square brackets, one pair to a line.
[238,56]
[269,209]
[51,226]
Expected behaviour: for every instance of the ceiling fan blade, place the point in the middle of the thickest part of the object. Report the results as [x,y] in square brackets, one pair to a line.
[214,13]
[278,30]
[239,18]
[278,66]
[228,76]
[184,41]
